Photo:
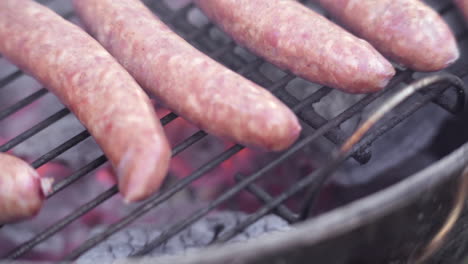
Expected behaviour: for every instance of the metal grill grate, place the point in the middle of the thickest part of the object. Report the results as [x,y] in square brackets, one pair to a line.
[223,52]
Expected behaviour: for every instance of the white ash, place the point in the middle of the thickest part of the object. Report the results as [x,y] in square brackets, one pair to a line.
[197,18]
[199,235]
[64,203]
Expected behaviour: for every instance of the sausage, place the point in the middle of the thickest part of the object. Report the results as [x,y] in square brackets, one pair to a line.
[94,86]
[191,84]
[22,190]
[406,31]
[463,6]
[293,37]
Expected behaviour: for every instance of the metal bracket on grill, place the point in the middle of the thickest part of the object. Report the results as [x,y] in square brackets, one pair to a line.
[343,153]
[263,196]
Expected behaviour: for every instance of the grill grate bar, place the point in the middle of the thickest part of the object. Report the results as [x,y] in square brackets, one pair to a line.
[29,133]
[203,30]
[337,136]
[427,96]
[313,182]
[317,96]
[181,225]
[245,68]
[168,118]
[206,44]
[189,141]
[461,93]
[281,83]
[10,78]
[251,66]
[153,202]
[307,182]
[59,225]
[379,130]
[74,177]
[60,149]
[258,77]
[362,156]
[77,175]
[94,164]
[34,130]
[224,52]
[373,134]
[265,197]
[22,103]
[18,73]
[315,120]
[176,228]
[170,192]
[446,103]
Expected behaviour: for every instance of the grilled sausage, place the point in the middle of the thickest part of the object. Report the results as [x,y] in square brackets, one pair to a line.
[463,6]
[407,31]
[22,191]
[92,84]
[291,36]
[188,82]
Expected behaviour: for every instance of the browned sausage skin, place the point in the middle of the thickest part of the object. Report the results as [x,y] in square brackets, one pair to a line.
[294,37]
[193,85]
[22,191]
[92,84]
[407,31]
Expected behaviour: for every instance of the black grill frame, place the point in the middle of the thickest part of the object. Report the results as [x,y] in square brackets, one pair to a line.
[222,52]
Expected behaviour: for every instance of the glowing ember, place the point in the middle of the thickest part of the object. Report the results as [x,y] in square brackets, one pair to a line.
[207,188]
[106,175]
[54,170]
